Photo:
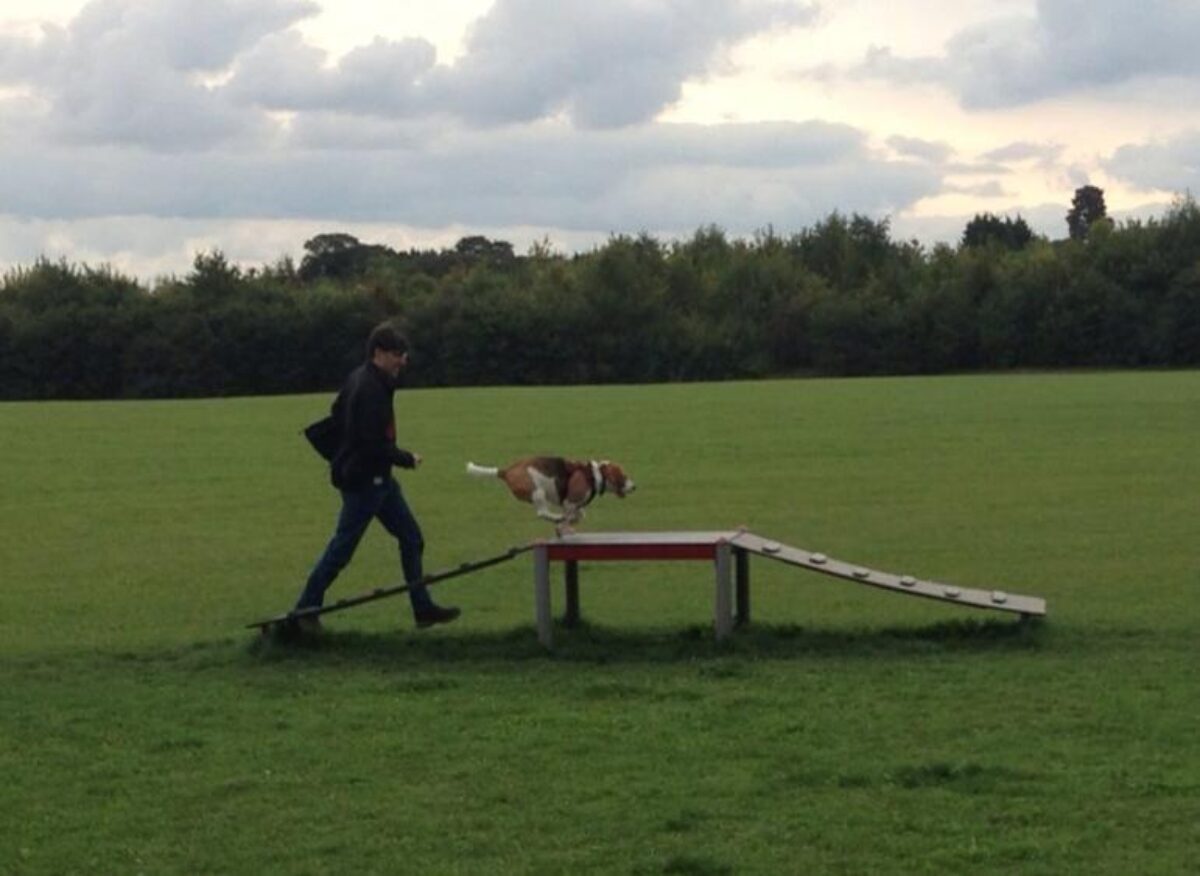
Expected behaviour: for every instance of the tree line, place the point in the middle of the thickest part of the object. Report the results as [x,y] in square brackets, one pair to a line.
[842,297]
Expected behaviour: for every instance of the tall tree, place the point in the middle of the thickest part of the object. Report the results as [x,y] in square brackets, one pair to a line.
[1087,208]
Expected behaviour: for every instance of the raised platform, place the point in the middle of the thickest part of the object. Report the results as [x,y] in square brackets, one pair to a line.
[730,550]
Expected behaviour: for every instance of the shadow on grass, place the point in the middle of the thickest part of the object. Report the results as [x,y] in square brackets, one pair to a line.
[599,644]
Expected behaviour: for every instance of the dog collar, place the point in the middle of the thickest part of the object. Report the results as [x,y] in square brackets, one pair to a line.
[597,478]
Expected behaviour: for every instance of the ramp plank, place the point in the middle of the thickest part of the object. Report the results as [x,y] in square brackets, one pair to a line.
[995,600]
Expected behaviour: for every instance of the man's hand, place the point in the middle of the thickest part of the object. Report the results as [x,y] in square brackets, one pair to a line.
[416,460]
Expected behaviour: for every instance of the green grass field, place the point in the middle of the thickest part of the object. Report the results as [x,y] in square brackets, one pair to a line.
[142,729]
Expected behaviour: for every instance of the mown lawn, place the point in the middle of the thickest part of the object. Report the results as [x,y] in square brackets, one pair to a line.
[143,729]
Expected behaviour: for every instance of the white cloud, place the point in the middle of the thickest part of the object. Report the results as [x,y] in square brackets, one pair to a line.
[601,64]
[132,72]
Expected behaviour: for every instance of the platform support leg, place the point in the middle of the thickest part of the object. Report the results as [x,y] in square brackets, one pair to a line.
[541,594]
[571,581]
[742,580]
[723,601]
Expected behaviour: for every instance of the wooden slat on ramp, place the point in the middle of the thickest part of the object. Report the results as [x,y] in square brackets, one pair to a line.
[997,600]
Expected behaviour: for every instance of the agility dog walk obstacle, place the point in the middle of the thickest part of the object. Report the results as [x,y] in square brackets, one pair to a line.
[729,550]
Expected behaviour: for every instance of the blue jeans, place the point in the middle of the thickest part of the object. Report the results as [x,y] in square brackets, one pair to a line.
[382,500]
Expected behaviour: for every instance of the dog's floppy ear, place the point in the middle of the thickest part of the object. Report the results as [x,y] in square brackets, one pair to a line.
[615,477]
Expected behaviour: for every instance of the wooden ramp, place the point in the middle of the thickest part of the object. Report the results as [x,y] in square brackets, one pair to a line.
[730,552]
[997,600]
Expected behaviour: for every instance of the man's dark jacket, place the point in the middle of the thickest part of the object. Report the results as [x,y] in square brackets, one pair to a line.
[367,447]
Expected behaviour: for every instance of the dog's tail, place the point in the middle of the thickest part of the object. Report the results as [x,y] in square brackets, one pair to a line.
[482,471]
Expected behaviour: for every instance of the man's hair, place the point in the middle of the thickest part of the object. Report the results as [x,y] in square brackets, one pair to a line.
[386,336]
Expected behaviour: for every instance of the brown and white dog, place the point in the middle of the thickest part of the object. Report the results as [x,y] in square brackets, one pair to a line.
[549,482]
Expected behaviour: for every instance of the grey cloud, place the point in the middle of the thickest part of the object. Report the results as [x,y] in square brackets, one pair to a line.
[1171,165]
[1067,46]
[925,150]
[187,34]
[21,57]
[331,131]
[1025,151]
[741,200]
[282,73]
[990,189]
[121,104]
[285,73]
[554,147]
[976,168]
[34,62]
[881,63]
[660,178]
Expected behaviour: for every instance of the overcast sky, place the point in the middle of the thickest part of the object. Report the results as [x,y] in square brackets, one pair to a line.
[138,132]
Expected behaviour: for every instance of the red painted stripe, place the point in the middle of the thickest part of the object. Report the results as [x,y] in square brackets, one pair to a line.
[631,551]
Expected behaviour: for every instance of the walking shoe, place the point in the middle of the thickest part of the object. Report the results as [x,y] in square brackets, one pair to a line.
[304,627]
[310,625]
[437,614]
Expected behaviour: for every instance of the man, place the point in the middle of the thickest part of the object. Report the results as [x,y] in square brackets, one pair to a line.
[361,468]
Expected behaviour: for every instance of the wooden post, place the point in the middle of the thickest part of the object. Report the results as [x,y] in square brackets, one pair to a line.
[722,604]
[541,595]
[571,580]
[743,587]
